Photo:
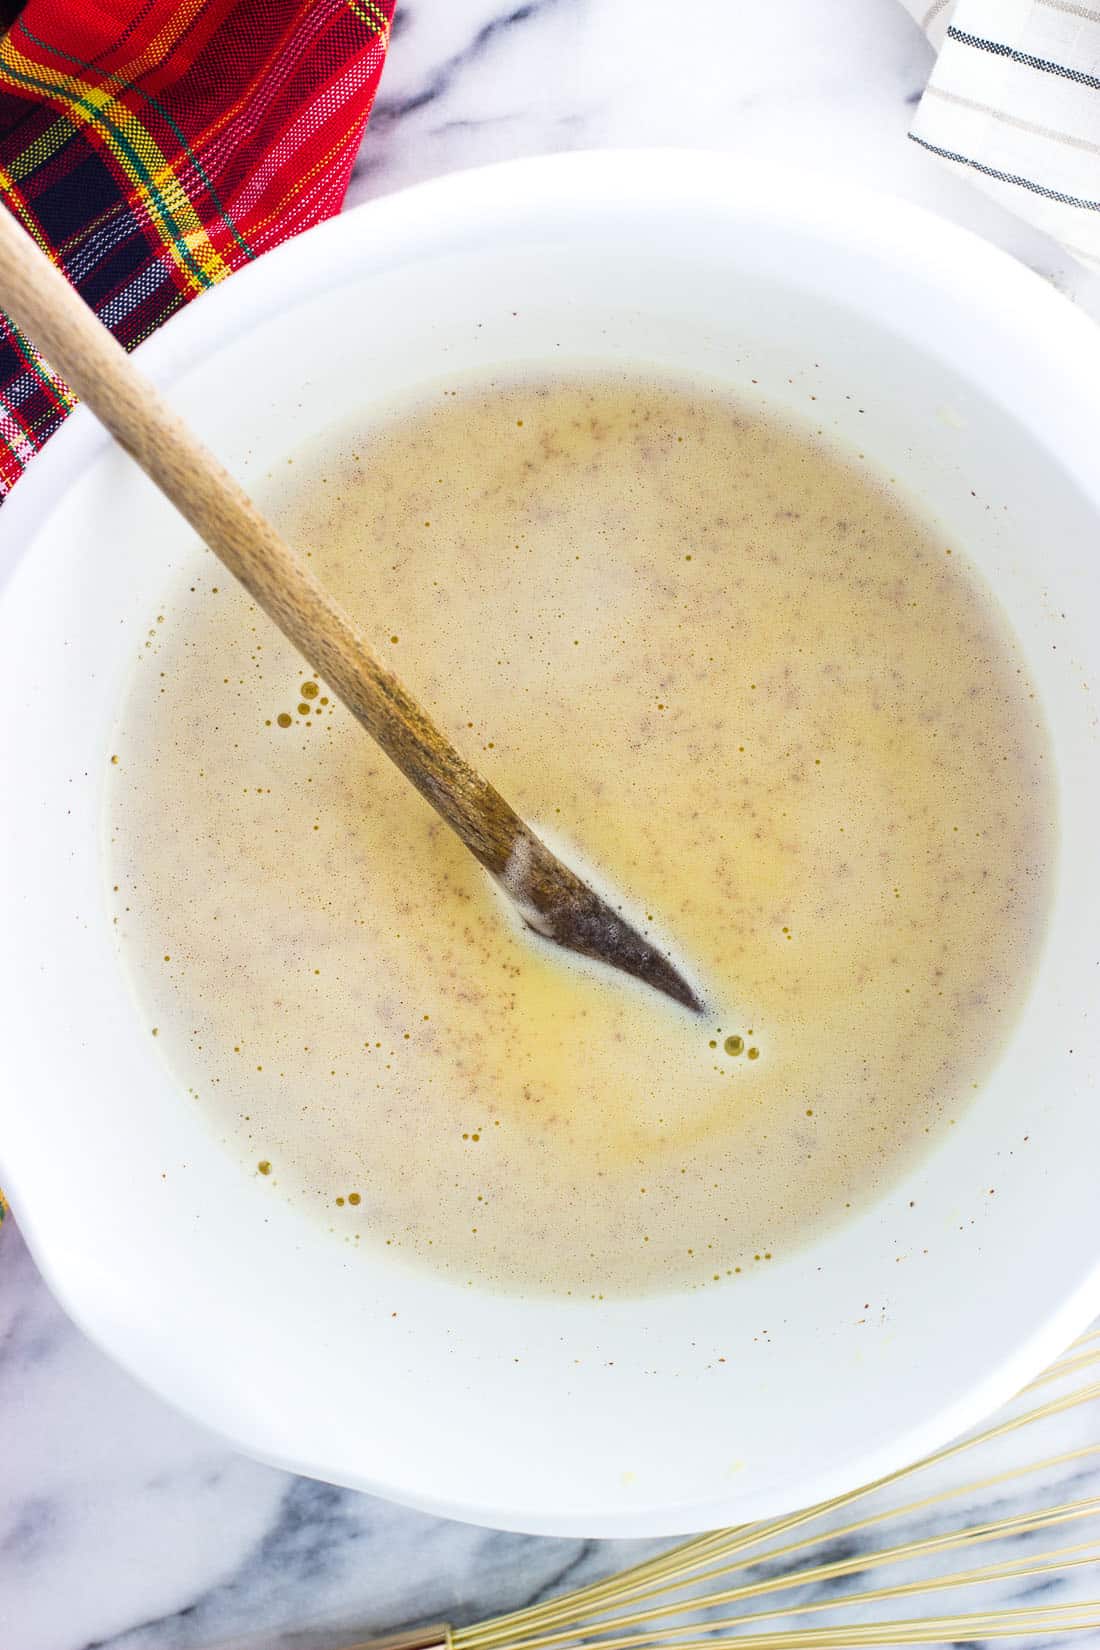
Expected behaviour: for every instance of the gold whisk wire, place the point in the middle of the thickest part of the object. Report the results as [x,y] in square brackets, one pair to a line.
[646,1606]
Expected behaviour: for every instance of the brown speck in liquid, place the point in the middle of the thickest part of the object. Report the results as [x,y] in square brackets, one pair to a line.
[264,1166]
[799,785]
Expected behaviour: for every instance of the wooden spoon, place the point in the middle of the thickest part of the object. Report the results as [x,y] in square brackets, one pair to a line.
[551,899]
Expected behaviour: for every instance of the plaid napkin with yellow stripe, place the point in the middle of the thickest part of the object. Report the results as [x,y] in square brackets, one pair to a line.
[153,146]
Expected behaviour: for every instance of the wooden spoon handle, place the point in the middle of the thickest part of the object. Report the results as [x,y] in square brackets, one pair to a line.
[552,899]
[40,300]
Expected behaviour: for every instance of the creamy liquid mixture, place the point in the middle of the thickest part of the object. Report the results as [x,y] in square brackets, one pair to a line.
[724,669]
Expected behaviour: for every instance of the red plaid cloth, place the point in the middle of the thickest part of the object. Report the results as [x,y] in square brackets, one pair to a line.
[152,146]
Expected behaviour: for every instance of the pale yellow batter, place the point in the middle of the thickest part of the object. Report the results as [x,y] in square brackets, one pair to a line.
[725,670]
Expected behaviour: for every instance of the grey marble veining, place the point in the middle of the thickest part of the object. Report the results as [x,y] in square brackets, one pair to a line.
[122,1525]
[811,87]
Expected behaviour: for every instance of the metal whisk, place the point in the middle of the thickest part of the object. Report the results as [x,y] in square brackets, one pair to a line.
[883,1565]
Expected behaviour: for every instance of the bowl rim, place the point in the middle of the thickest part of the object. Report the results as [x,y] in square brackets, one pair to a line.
[956,261]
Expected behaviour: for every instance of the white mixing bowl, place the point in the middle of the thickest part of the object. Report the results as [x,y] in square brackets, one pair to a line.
[948,366]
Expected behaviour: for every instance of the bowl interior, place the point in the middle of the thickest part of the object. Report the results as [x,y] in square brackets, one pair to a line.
[945,366]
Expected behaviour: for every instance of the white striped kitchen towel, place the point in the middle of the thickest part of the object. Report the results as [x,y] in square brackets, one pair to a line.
[1014,104]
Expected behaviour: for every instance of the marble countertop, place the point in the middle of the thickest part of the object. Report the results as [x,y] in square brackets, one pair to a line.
[121,1524]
